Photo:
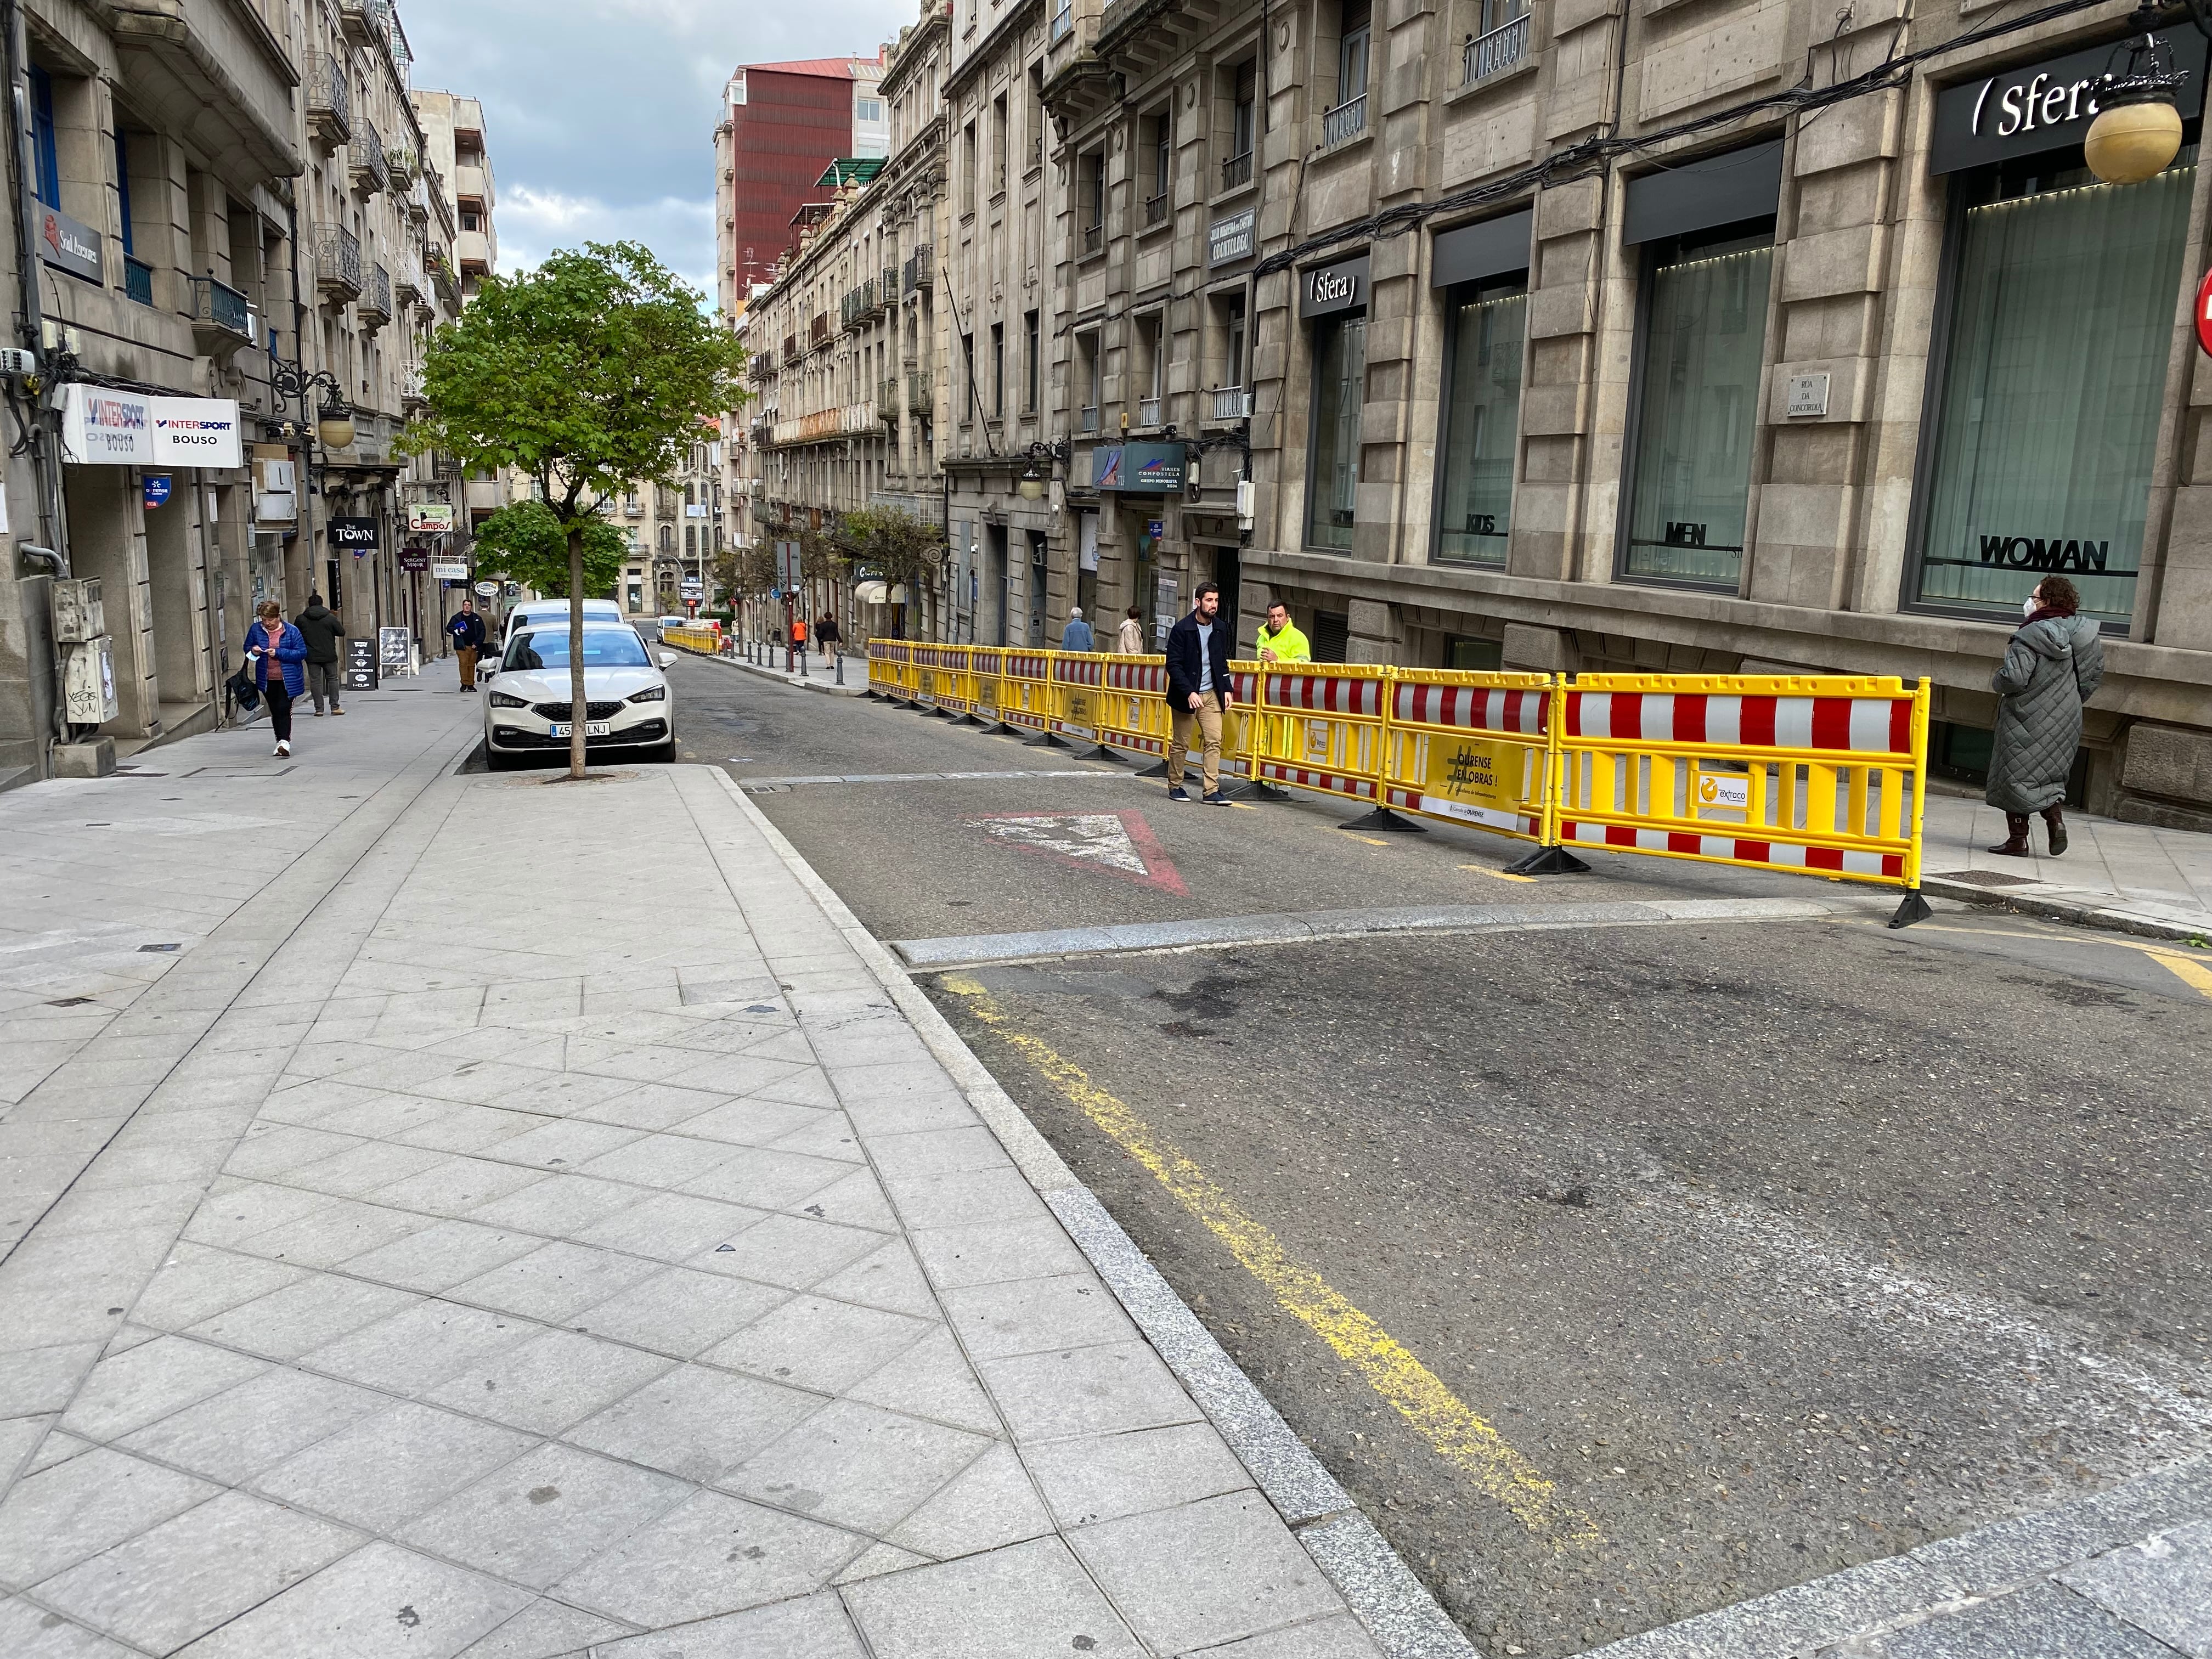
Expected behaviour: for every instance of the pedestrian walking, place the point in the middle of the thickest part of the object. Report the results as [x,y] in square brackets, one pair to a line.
[2055,663]
[1199,692]
[466,630]
[827,636]
[272,641]
[1279,639]
[1129,638]
[319,627]
[1076,637]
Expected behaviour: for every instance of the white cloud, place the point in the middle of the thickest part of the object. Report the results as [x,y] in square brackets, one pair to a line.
[533,223]
[599,114]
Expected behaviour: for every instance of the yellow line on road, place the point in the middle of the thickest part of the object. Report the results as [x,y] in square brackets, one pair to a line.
[1371,841]
[2190,969]
[1418,1395]
[1502,875]
[2187,969]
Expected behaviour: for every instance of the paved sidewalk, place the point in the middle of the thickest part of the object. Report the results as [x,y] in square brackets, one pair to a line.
[2130,876]
[498,1263]
[109,883]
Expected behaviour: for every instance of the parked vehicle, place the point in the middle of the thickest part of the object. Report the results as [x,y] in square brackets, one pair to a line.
[532,612]
[628,711]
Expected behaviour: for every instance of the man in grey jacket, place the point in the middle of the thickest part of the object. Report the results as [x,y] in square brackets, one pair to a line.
[2056,660]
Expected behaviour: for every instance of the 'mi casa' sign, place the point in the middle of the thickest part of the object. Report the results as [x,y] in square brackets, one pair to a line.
[2046,106]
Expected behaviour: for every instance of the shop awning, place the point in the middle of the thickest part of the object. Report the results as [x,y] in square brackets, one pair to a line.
[878,593]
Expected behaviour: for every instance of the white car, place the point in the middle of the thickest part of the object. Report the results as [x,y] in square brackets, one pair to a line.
[629,712]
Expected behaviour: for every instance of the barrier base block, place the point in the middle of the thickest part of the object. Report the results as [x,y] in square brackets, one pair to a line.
[1157,769]
[1382,818]
[1913,908]
[1103,752]
[1547,861]
[1259,789]
[1047,740]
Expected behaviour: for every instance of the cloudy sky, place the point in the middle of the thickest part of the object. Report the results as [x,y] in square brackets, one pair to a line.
[599,114]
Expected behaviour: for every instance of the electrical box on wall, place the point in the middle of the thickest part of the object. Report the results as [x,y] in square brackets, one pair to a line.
[88,682]
[78,614]
[1245,493]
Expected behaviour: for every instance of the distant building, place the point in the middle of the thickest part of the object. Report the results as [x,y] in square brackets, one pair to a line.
[783,124]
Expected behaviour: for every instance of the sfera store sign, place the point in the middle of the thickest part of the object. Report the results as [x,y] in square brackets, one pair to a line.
[2039,107]
[1334,288]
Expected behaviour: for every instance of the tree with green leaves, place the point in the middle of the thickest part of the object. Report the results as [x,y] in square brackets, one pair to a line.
[525,543]
[891,546]
[589,375]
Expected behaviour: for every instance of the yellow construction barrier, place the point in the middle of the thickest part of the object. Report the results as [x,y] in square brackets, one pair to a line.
[1827,775]
[708,640]
[1470,748]
[1822,775]
[944,678]
[1320,727]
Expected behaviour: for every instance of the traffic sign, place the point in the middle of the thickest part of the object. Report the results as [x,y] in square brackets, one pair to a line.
[786,565]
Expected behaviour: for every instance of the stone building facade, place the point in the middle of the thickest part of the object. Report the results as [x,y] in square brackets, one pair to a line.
[238,233]
[1700,336]
[849,343]
[1812,388]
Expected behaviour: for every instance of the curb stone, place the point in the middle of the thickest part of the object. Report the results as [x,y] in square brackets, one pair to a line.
[829,687]
[2078,912]
[1399,1613]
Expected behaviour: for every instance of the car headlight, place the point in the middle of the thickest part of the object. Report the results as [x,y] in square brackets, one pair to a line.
[501,700]
[651,694]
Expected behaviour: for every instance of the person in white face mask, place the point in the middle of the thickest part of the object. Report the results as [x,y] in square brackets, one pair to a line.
[2054,664]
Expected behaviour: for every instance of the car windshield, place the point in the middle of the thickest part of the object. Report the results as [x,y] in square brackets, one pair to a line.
[603,648]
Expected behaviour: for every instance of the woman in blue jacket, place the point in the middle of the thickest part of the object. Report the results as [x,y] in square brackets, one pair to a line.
[272,640]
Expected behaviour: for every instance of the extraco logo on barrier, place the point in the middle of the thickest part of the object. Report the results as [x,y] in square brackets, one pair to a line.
[2044,553]
[1732,794]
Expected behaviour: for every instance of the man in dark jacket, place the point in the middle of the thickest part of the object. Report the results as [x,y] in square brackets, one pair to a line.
[1198,690]
[466,629]
[319,627]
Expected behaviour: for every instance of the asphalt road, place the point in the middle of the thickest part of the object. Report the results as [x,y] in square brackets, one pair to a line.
[1763,1249]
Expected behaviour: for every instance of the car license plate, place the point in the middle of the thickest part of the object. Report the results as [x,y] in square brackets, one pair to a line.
[592,729]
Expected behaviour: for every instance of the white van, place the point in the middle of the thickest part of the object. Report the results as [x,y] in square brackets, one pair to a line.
[538,612]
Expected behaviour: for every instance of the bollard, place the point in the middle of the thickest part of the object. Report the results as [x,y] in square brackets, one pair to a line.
[841,667]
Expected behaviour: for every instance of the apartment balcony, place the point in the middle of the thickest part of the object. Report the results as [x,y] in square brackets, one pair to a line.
[1501,49]
[406,167]
[323,88]
[472,252]
[921,269]
[1090,418]
[1236,171]
[373,308]
[137,281]
[365,164]
[887,285]
[409,285]
[887,400]
[412,399]
[359,19]
[337,264]
[472,183]
[230,86]
[1151,412]
[1094,237]
[921,393]
[1229,403]
[818,331]
[223,319]
[1347,121]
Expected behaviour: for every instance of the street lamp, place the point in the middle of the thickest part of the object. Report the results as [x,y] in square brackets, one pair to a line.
[2137,131]
[1032,484]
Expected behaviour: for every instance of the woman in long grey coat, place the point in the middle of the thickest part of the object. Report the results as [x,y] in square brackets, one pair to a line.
[2055,661]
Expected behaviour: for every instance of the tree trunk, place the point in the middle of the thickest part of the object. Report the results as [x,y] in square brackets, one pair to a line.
[577,708]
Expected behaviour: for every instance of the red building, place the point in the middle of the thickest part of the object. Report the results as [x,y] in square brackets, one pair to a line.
[783,124]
